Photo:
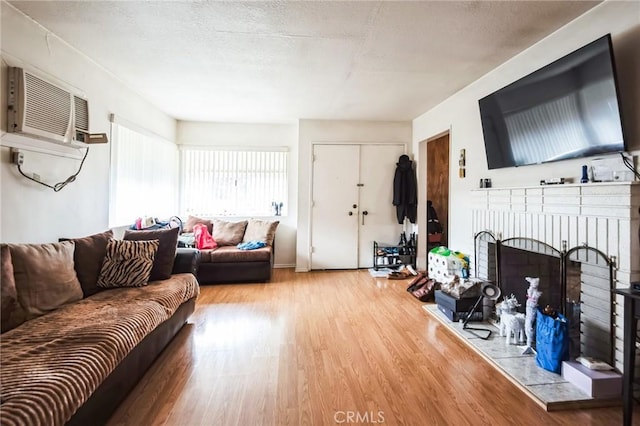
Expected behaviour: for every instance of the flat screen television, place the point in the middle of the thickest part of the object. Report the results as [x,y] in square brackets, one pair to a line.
[567,109]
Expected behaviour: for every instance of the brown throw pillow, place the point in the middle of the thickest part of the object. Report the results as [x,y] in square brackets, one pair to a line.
[166,255]
[193,220]
[260,230]
[228,233]
[88,257]
[45,277]
[127,263]
[12,313]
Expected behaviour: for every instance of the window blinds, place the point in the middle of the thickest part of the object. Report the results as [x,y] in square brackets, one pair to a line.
[143,176]
[228,182]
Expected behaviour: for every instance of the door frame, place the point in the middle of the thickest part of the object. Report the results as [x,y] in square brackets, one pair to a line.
[421,254]
[311,177]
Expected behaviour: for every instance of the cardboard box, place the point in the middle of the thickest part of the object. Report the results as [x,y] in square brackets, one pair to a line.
[457,316]
[595,383]
[456,305]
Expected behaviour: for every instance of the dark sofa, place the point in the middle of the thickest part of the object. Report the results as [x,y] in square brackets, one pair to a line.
[226,263]
[84,355]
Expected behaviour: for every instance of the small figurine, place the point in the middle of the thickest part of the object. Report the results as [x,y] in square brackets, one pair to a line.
[511,322]
[533,294]
[509,304]
[512,325]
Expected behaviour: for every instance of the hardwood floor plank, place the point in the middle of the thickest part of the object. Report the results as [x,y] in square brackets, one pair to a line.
[314,348]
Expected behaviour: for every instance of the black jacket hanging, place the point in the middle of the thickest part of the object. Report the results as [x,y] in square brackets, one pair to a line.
[433,224]
[405,191]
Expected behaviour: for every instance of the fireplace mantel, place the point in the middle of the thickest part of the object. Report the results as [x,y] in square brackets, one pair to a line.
[605,216]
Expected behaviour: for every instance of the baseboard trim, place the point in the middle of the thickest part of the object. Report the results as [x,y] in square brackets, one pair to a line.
[283,265]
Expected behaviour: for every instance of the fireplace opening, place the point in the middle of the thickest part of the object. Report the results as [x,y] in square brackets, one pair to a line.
[518,263]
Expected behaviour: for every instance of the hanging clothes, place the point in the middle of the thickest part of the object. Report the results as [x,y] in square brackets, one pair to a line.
[405,190]
[433,224]
[434,227]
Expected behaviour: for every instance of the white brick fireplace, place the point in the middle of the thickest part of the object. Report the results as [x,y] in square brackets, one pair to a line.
[605,216]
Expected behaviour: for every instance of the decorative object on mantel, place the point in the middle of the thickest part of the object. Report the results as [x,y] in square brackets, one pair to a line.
[485,183]
[585,177]
[533,294]
[553,181]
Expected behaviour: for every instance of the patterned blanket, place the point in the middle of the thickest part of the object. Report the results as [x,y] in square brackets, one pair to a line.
[52,364]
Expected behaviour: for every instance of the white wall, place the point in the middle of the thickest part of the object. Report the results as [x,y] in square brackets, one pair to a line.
[461,115]
[256,135]
[30,212]
[332,131]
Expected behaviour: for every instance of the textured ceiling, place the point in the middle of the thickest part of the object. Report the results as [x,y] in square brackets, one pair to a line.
[280,61]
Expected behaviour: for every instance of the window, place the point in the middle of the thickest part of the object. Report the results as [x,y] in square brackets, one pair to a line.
[143,175]
[231,182]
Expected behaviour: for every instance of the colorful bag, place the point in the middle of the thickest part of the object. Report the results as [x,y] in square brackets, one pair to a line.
[204,240]
[552,341]
[422,288]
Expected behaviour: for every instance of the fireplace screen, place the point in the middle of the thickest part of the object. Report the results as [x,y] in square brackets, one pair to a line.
[576,282]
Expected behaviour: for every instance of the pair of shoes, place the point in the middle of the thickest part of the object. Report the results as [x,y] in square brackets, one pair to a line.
[402,274]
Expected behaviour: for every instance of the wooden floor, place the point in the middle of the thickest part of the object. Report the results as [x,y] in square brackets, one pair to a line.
[327,348]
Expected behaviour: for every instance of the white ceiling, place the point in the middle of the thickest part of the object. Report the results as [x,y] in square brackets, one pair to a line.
[280,61]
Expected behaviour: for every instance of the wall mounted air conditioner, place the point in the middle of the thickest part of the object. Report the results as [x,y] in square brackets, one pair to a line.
[42,109]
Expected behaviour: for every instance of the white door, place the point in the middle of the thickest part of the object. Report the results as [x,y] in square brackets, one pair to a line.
[334,230]
[377,168]
[352,204]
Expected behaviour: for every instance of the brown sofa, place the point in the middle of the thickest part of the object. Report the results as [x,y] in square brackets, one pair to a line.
[74,363]
[227,263]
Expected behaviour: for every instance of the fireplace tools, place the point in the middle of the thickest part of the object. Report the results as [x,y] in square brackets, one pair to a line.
[491,292]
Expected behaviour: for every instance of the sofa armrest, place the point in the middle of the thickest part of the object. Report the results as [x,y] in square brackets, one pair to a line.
[187,260]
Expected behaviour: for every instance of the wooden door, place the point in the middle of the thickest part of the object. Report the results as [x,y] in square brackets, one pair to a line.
[377,168]
[334,227]
[438,180]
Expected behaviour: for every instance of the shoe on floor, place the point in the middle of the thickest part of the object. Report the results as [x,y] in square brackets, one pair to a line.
[403,274]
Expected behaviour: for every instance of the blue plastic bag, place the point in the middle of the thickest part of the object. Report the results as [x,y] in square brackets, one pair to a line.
[552,341]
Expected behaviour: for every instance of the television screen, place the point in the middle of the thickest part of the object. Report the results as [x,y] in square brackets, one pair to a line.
[568,109]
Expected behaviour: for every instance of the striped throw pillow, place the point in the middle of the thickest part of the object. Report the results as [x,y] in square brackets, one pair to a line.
[127,263]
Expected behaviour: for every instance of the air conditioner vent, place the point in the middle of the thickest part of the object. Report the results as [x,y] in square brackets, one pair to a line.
[47,107]
[82,113]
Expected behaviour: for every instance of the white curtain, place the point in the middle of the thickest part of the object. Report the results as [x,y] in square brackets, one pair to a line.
[143,176]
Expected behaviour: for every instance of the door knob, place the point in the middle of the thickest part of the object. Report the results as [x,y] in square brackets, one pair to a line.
[350,213]
[355,206]
[364,213]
